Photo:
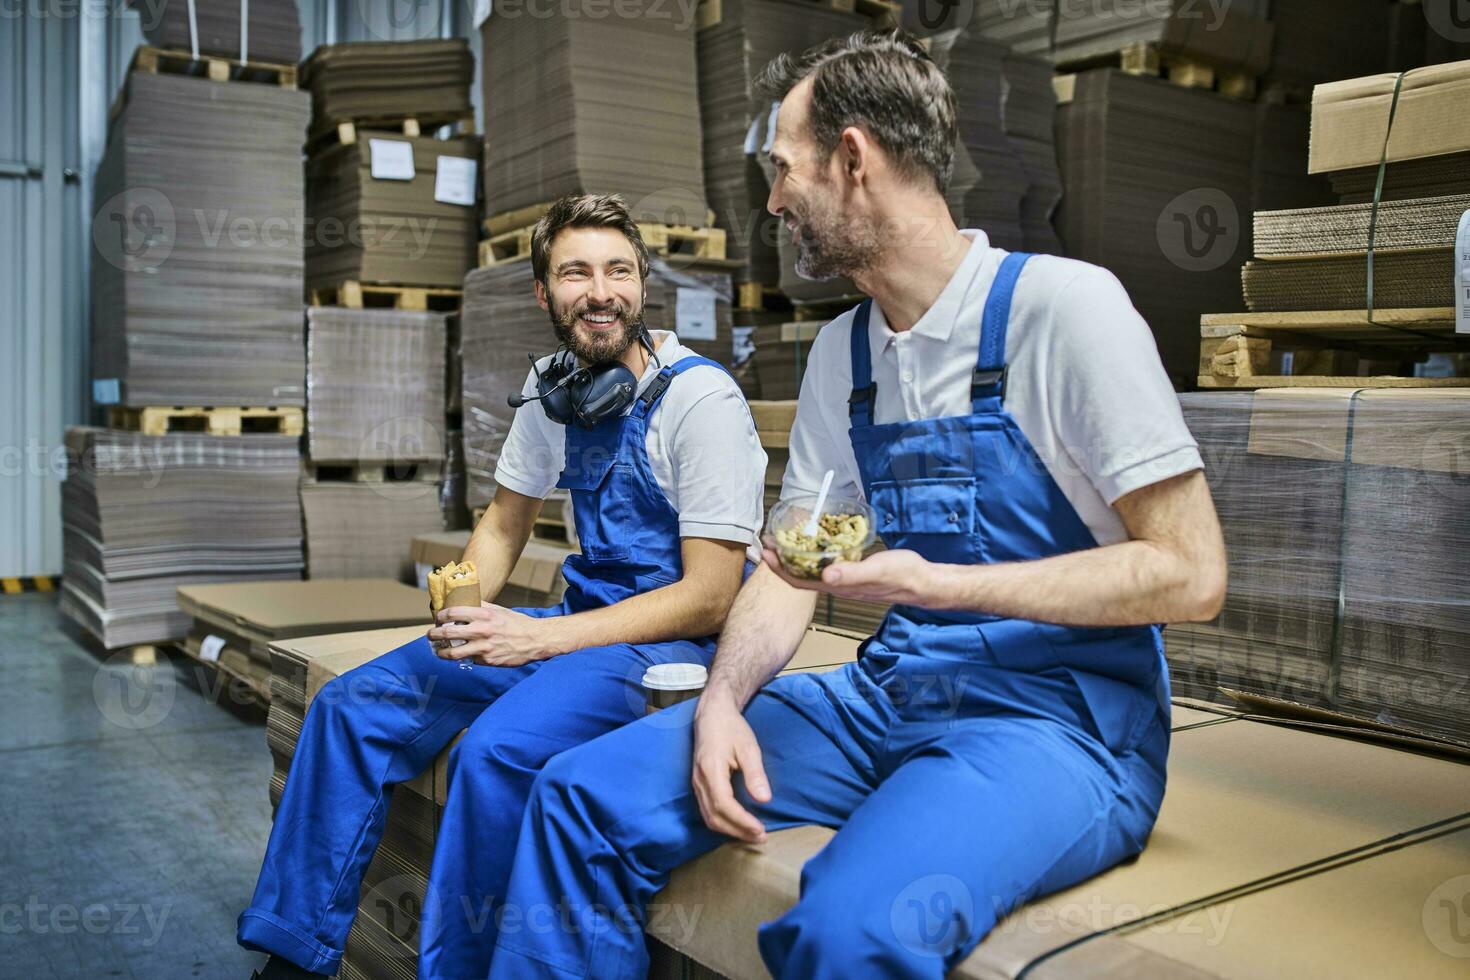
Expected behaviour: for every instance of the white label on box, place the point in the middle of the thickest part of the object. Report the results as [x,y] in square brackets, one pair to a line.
[391,159]
[742,345]
[106,391]
[1462,275]
[210,647]
[694,314]
[454,182]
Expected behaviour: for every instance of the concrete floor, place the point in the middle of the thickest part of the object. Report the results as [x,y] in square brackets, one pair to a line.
[133,809]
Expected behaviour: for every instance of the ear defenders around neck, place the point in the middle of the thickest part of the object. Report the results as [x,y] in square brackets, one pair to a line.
[572,394]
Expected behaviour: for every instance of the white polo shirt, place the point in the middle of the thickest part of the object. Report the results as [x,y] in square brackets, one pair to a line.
[1085,383]
[702,448]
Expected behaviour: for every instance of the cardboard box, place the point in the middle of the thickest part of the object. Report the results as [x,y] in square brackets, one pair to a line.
[1350,118]
[1248,804]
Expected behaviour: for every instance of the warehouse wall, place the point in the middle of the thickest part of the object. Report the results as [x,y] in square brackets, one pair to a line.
[61,66]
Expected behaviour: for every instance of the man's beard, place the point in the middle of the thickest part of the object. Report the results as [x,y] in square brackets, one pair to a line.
[602,347]
[827,245]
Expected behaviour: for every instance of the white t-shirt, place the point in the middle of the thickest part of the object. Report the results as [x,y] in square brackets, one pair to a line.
[702,448]
[1085,384]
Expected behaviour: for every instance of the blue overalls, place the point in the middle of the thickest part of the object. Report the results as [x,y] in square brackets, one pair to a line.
[971,763]
[384,722]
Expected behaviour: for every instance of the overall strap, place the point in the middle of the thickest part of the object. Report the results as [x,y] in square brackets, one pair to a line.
[990,366]
[864,397]
[656,388]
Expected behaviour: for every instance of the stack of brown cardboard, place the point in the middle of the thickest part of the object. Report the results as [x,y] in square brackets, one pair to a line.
[415,224]
[594,105]
[143,515]
[1345,518]
[1318,259]
[694,302]
[197,269]
[1235,36]
[1326,40]
[260,30]
[1158,185]
[362,530]
[781,348]
[375,385]
[236,624]
[732,52]
[368,80]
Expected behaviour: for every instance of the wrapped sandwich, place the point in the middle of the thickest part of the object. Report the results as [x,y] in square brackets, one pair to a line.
[456,584]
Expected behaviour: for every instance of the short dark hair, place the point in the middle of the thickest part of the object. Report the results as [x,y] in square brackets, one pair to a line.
[584,211]
[884,82]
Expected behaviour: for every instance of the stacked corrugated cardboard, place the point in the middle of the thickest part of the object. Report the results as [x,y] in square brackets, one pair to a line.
[235,625]
[1318,258]
[361,530]
[371,223]
[595,105]
[261,30]
[732,51]
[197,268]
[1158,185]
[369,80]
[143,515]
[1345,518]
[1234,36]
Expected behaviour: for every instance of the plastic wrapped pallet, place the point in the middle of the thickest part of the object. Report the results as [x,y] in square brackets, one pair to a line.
[732,52]
[594,105]
[367,80]
[259,30]
[143,515]
[1345,518]
[452,492]
[1175,234]
[197,268]
[375,385]
[420,231]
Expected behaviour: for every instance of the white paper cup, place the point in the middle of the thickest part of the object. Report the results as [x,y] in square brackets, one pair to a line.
[665,685]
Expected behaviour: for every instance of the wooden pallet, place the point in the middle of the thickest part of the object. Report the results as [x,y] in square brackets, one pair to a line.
[1145,58]
[176,61]
[348,132]
[1238,350]
[881,13]
[357,471]
[369,295]
[751,297]
[826,309]
[214,420]
[682,240]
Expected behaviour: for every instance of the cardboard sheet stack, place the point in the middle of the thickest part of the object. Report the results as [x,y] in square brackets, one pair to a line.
[1317,258]
[367,80]
[1234,37]
[1135,155]
[452,499]
[197,276]
[595,105]
[391,230]
[1344,583]
[270,31]
[501,325]
[1326,40]
[360,530]
[143,515]
[731,54]
[234,625]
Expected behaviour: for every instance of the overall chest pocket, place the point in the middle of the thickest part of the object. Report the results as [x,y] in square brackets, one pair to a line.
[601,507]
[934,516]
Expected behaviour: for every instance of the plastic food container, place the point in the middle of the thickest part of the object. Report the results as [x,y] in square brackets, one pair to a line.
[844,532]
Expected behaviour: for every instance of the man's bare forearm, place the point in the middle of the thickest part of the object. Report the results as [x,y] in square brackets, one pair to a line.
[495,546]
[762,632]
[683,610]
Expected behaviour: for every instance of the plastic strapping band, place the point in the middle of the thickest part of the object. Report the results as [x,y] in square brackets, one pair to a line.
[1339,611]
[193,31]
[1393,108]
[244,30]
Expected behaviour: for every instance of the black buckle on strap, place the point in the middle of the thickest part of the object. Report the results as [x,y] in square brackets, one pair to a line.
[983,379]
[860,395]
[656,387]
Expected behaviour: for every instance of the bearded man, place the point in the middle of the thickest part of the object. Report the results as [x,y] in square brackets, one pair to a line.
[660,453]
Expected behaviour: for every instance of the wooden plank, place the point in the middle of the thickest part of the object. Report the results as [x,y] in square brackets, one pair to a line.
[512,220]
[359,471]
[1433,318]
[215,420]
[1327,381]
[1065,88]
[371,295]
